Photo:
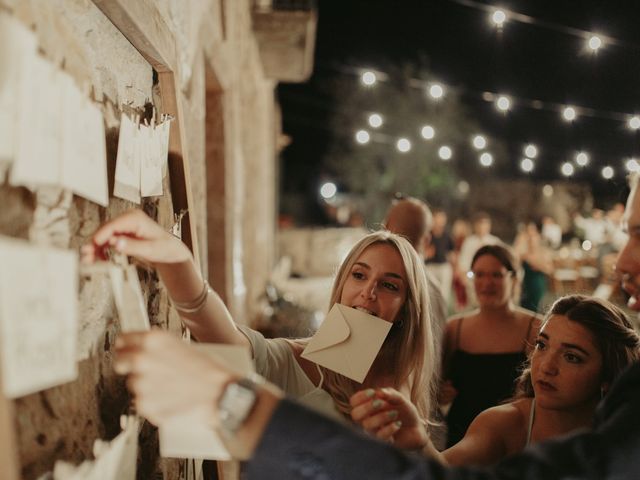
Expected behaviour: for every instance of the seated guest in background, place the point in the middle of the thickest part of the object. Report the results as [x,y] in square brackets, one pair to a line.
[382,275]
[537,264]
[440,253]
[484,350]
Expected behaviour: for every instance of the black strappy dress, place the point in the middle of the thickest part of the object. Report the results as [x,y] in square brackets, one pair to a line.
[482,380]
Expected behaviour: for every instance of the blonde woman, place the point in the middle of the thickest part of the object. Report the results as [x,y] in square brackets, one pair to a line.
[382,276]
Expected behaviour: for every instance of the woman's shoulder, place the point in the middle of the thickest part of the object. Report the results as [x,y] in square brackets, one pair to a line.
[506,420]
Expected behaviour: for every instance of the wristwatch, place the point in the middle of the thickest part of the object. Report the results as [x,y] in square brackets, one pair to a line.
[236,404]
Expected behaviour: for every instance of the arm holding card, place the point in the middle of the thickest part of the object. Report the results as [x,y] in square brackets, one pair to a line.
[136,235]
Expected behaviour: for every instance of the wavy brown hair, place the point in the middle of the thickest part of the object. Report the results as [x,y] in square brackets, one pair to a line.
[614,336]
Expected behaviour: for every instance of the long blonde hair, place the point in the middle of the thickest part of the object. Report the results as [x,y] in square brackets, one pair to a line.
[409,345]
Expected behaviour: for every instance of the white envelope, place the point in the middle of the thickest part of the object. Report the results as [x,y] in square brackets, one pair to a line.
[186,435]
[347,342]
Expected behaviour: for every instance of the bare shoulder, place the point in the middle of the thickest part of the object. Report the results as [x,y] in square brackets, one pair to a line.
[505,418]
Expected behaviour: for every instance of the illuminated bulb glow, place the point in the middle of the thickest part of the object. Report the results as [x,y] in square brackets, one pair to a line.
[486,159]
[582,159]
[594,42]
[634,122]
[632,165]
[547,190]
[362,137]
[369,78]
[503,103]
[436,91]
[531,151]
[526,165]
[427,132]
[375,120]
[403,145]
[479,142]
[607,173]
[498,17]
[445,153]
[567,169]
[587,245]
[328,190]
[569,114]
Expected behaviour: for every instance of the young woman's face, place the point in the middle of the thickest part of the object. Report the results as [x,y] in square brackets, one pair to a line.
[493,283]
[377,282]
[566,365]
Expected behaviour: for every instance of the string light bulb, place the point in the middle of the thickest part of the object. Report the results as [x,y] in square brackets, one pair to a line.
[486,159]
[582,159]
[567,169]
[375,120]
[632,165]
[634,122]
[531,151]
[526,165]
[403,145]
[369,78]
[445,152]
[498,17]
[569,114]
[427,132]
[328,190]
[594,42]
[479,142]
[436,91]
[362,137]
[607,172]
[503,103]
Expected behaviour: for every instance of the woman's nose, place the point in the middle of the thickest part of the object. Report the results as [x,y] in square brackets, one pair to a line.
[549,365]
[369,290]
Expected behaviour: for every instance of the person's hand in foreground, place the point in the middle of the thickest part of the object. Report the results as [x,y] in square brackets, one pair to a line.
[167,377]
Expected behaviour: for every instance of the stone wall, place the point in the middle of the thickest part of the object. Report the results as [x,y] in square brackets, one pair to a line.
[212,36]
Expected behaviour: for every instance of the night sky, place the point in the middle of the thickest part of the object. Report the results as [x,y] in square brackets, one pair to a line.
[465,52]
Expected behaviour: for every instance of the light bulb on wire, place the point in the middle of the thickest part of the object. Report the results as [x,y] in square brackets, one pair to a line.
[582,159]
[567,169]
[531,151]
[427,132]
[368,78]
[498,17]
[445,152]
[436,91]
[375,120]
[503,103]
[486,159]
[403,145]
[569,114]
[362,137]
[526,164]
[594,42]
[479,142]
[634,122]
[607,172]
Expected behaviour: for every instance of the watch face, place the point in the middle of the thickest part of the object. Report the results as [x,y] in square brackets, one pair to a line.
[236,404]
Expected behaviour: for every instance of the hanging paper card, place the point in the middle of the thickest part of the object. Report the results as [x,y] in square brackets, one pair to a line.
[127,181]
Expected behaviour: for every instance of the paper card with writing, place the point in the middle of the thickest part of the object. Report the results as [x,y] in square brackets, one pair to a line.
[115,460]
[132,311]
[127,178]
[151,169]
[84,151]
[39,137]
[16,43]
[187,435]
[347,342]
[38,317]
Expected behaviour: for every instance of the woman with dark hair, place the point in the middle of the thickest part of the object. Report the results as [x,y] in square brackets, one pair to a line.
[485,349]
[583,345]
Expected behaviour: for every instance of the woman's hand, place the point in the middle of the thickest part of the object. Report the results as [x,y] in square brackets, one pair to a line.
[387,414]
[135,234]
[168,377]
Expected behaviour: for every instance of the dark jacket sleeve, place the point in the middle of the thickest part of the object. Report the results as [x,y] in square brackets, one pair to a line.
[301,444]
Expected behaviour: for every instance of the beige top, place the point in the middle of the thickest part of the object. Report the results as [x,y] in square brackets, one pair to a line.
[274,360]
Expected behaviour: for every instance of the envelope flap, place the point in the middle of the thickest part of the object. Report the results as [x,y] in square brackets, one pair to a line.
[334,330]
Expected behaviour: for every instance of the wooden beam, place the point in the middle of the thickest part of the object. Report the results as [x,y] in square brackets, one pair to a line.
[141,23]
[8,448]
